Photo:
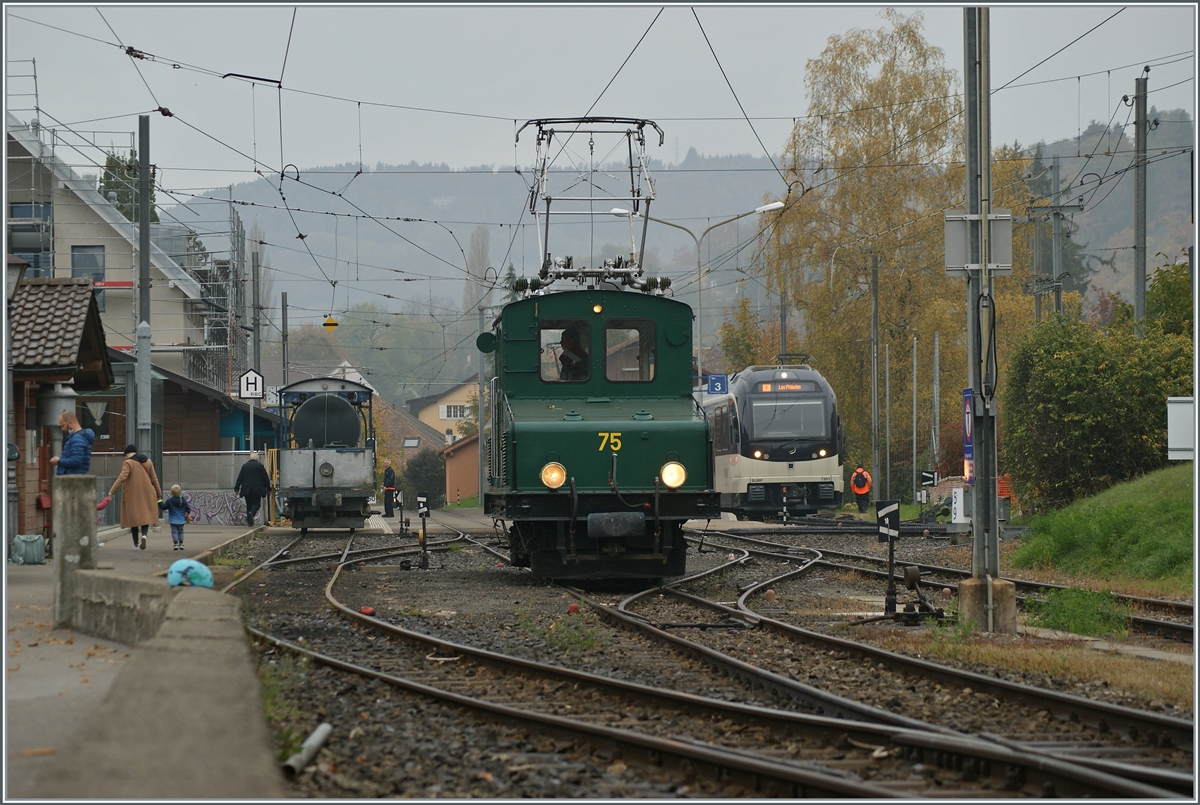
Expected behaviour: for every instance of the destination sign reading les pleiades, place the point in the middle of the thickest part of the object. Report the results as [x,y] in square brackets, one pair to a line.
[770,388]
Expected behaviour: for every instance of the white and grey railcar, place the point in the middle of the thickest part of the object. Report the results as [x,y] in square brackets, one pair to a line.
[777,443]
[327,462]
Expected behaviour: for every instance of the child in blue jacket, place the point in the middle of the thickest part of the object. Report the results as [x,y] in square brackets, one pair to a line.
[178,513]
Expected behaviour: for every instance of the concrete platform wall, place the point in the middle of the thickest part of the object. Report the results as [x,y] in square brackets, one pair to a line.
[184,720]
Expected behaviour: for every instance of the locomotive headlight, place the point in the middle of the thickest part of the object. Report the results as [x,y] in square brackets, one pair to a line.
[673,474]
[821,452]
[554,475]
[326,469]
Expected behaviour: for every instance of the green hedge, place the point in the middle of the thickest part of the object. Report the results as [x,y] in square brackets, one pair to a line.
[1085,408]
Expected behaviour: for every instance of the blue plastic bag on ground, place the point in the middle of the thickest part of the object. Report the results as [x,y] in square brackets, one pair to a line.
[189,571]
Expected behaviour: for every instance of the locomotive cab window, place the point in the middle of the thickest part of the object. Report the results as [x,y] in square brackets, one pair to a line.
[629,353]
[565,350]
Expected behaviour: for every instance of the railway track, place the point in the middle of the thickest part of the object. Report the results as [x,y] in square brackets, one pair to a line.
[761,750]
[1118,739]
[1179,625]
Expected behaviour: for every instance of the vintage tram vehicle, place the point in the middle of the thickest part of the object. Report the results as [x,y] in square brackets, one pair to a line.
[327,462]
[777,443]
[596,450]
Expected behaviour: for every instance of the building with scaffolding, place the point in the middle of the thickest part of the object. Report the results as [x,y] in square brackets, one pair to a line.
[60,224]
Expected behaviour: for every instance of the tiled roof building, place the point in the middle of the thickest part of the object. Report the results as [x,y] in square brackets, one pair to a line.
[57,335]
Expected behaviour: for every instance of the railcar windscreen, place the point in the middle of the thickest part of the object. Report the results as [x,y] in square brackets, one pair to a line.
[781,418]
[565,350]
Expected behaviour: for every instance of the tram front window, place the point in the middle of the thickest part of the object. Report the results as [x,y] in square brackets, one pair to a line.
[788,419]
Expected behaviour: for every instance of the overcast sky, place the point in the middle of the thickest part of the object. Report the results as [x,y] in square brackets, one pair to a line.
[451,84]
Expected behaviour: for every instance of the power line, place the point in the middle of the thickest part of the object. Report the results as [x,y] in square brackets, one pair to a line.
[739,100]
[1060,50]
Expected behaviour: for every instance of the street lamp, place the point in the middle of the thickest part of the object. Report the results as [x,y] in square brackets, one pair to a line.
[774,205]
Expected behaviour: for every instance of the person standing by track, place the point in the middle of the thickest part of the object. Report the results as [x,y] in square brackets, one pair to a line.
[252,484]
[389,488]
[860,484]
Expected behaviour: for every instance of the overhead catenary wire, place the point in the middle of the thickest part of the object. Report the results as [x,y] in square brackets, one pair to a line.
[514,228]
[736,98]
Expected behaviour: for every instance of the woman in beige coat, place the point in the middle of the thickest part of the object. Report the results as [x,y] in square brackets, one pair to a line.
[139,504]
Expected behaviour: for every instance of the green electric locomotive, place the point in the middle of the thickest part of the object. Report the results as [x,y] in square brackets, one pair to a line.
[596,451]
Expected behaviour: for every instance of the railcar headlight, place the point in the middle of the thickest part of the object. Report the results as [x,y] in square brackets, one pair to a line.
[821,452]
[326,469]
[758,454]
[673,474]
[554,475]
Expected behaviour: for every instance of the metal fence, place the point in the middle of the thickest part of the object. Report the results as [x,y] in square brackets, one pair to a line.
[207,479]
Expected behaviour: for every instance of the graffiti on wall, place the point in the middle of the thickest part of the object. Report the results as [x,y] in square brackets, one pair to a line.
[208,508]
[217,508]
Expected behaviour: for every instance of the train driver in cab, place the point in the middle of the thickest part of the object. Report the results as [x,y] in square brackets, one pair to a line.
[573,359]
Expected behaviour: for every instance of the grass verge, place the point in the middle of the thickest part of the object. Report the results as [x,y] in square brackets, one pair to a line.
[1139,533]
[280,676]
[1071,661]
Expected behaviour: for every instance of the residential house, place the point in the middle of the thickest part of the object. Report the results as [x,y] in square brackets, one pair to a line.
[60,224]
[444,410]
[462,469]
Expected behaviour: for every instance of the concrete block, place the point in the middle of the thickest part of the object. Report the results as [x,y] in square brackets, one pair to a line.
[73,511]
[973,604]
[121,607]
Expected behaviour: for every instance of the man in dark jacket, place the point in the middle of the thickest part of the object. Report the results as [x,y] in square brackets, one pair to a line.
[76,458]
[389,488]
[252,484]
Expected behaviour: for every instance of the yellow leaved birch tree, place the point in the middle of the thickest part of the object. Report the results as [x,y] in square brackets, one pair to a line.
[879,158]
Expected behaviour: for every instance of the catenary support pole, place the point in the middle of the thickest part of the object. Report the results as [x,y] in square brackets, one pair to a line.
[875,373]
[1058,240]
[783,325]
[479,417]
[981,327]
[887,421]
[915,487]
[255,319]
[144,378]
[1141,129]
[285,342]
[936,435]
[1037,269]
